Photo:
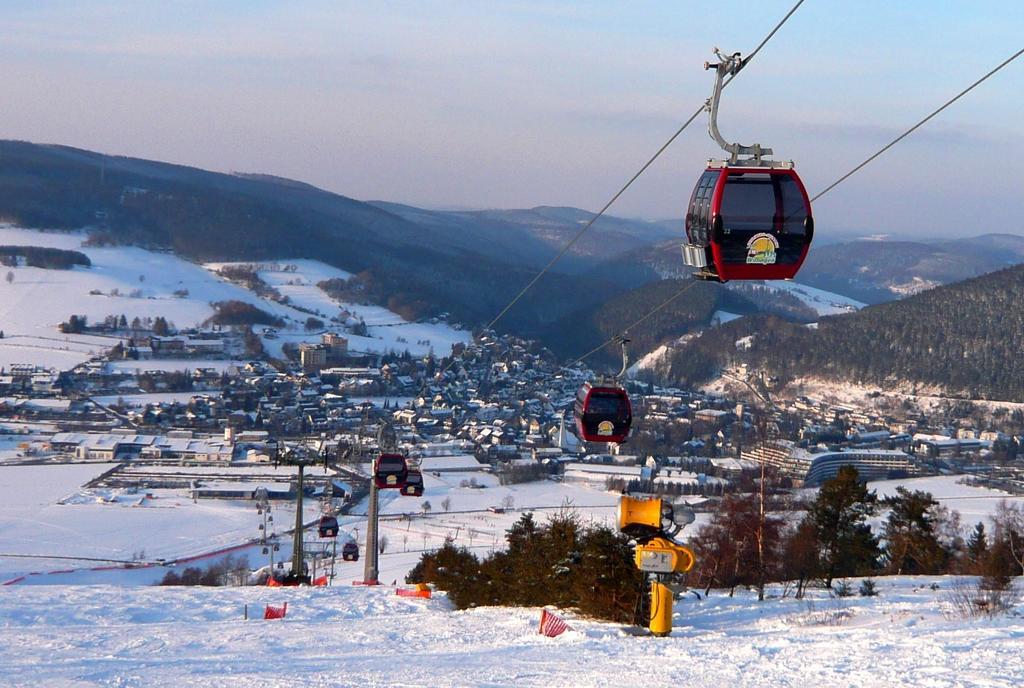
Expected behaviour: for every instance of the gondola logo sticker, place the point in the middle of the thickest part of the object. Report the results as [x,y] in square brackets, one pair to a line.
[605,428]
[761,249]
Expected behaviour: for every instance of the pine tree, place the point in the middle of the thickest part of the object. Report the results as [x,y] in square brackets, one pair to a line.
[839,516]
[912,546]
[977,546]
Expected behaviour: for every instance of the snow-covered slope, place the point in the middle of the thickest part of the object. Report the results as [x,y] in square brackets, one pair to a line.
[139,283]
[824,302]
[351,636]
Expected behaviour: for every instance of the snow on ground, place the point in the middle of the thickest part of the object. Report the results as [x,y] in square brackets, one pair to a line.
[53,515]
[824,302]
[56,350]
[926,397]
[296,279]
[973,503]
[38,300]
[357,636]
[143,400]
[45,512]
[387,331]
[410,530]
[170,364]
[722,317]
[139,283]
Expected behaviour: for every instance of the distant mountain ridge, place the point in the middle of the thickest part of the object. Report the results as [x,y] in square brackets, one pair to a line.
[469,264]
[883,270]
[966,338]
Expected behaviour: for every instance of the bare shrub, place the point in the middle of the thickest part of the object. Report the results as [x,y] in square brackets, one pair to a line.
[974,598]
[831,612]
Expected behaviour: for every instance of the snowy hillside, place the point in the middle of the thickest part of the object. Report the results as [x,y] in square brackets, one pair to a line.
[824,302]
[139,283]
[908,635]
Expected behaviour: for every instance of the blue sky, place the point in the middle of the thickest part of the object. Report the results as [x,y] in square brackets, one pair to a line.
[515,104]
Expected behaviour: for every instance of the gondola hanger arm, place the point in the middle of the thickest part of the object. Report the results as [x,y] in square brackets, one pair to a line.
[729,65]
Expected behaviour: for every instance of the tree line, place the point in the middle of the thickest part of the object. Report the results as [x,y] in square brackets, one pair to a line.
[745,545]
[563,562]
[43,257]
[965,337]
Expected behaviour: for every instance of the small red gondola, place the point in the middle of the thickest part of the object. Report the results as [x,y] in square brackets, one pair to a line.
[390,471]
[603,413]
[350,551]
[328,527]
[748,223]
[413,483]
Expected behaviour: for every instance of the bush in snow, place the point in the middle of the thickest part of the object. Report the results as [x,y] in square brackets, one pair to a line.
[868,588]
[563,563]
[228,571]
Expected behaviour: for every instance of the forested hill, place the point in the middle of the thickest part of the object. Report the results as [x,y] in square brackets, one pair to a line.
[581,331]
[418,264]
[966,337]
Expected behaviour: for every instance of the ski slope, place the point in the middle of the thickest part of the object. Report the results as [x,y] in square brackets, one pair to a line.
[354,636]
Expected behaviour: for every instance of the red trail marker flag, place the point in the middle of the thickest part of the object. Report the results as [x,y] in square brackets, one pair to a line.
[551,624]
[272,612]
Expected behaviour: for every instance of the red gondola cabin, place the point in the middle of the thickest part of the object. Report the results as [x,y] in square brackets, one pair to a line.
[603,413]
[328,527]
[748,223]
[390,471]
[413,483]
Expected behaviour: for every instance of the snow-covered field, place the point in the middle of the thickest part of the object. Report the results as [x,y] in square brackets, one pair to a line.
[354,636]
[172,364]
[45,512]
[467,520]
[139,283]
[974,504]
[386,331]
[824,302]
[142,400]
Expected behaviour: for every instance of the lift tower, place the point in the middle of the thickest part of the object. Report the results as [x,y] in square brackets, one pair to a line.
[299,456]
[387,440]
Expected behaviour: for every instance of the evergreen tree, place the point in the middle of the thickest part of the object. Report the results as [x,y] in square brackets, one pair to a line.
[912,545]
[977,547]
[839,517]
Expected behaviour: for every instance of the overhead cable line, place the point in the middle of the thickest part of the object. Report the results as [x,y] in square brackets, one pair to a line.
[831,186]
[590,223]
[619,336]
[911,130]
